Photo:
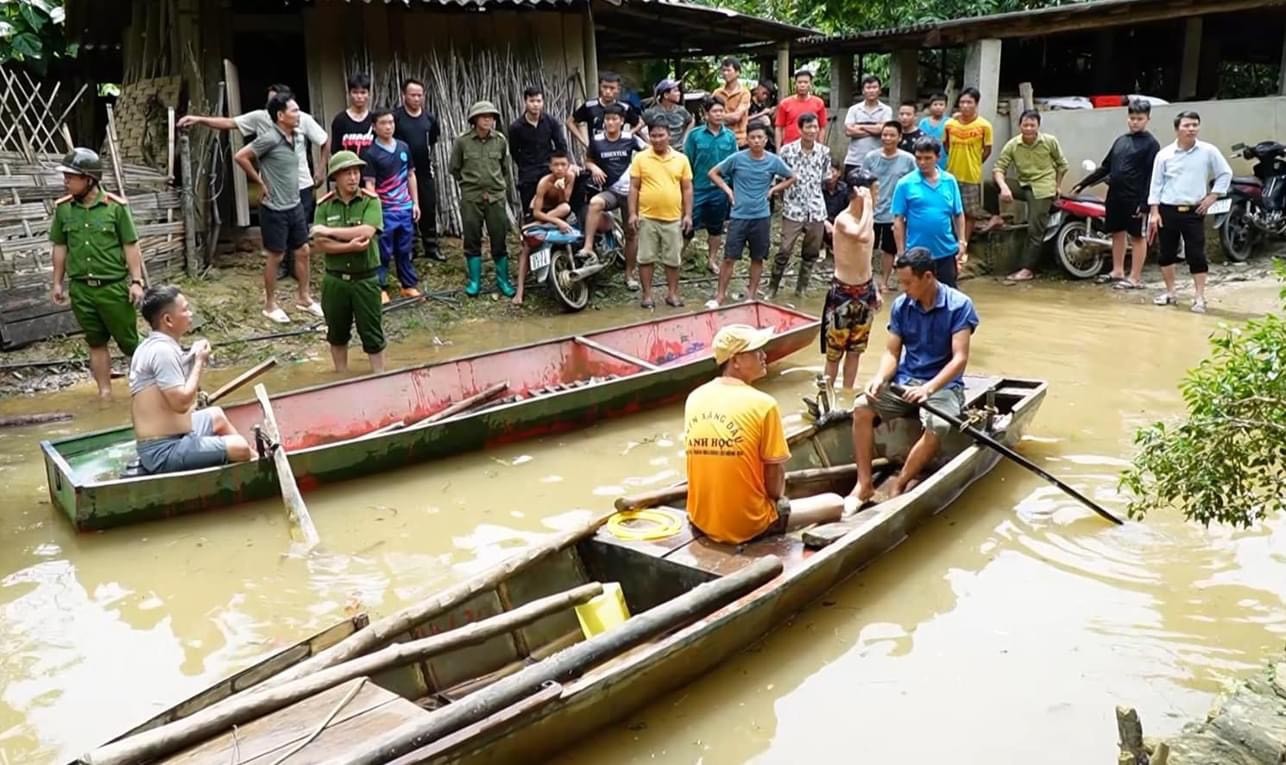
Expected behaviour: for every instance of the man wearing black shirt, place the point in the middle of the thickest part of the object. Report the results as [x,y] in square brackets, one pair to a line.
[608,162]
[533,138]
[419,129]
[910,130]
[352,130]
[588,117]
[1128,171]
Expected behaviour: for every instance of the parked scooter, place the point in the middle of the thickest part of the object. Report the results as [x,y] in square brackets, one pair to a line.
[1256,204]
[1075,225]
[556,260]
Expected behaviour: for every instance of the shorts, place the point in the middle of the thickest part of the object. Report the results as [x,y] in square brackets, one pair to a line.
[971,196]
[755,232]
[611,200]
[1125,215]
[660,241]
[191,451]
[709,212]
[884,241]
[776,528]
[1186,225]
[308,203]
[947,270]
[105,312]
[889,406]
[283,230]
[847,317]
[355,300]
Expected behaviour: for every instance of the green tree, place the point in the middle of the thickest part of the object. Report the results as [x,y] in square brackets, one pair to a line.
[1226,460]
[32,33]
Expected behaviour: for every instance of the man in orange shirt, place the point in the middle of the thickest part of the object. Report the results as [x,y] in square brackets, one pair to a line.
[803,102]
[736,100]
[736,450]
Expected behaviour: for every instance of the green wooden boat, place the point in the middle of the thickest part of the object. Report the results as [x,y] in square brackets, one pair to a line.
[527,693]
[330,431]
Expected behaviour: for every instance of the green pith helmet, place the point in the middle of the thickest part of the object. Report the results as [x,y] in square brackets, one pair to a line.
[481,108]
[342,160]
[82,161]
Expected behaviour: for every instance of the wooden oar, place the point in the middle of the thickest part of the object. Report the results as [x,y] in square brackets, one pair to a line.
[992,443]
[285,476]
[462,405]
[668,494]
[241,379]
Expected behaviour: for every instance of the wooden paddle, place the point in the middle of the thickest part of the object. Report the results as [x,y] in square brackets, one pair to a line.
[285,475]
[241,380]
[992,443]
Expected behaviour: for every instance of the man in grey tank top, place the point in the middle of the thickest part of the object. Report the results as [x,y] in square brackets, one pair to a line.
[172,434]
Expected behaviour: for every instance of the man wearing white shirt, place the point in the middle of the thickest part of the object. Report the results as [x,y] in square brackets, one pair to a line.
[1179,196]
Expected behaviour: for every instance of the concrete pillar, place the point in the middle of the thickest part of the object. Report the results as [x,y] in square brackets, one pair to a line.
[1281,73]
[904,76]
[841,84]
[589,41]
[784,85]
[1190,68]
[982,71]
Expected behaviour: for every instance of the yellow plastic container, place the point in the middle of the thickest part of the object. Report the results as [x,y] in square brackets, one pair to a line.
[603,612]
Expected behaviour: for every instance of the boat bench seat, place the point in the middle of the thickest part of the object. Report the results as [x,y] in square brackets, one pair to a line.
[722,559]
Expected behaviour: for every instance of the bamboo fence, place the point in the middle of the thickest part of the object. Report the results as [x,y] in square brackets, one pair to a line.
[32,111]
[454,81]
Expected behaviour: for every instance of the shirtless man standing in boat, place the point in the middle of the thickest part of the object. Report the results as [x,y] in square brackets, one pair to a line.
[737,452]
[163,382]
[854,297]
[930,326]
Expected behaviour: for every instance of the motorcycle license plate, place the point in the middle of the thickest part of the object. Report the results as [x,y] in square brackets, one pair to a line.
[1220,206]
[540,259]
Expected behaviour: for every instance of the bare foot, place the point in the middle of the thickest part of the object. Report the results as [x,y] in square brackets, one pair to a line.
[104,394]
[1022,275]
[517,300]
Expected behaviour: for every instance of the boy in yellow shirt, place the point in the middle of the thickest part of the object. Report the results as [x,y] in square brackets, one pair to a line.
[968,145]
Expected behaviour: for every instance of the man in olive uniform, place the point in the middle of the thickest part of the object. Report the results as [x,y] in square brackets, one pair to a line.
[96,248]
[480,164]
[346,230]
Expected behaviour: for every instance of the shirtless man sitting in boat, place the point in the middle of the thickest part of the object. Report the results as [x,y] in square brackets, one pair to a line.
[930,325]
[737,452]
[163,384]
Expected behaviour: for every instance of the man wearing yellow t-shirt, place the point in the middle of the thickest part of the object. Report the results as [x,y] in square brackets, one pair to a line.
[737,452]
[660,210]
[967,142]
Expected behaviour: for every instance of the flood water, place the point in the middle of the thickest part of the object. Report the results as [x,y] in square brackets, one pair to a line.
[1005,630]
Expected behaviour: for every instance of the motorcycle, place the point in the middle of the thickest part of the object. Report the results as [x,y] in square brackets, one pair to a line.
[1256,204]
[1075,226]
[556,260]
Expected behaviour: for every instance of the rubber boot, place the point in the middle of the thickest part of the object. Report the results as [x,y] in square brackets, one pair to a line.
[774,281]
[503,284]
[805,274]
[474,266]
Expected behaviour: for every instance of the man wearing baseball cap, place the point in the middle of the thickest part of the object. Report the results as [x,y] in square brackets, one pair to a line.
[668,107]
[736,450]
[346,229]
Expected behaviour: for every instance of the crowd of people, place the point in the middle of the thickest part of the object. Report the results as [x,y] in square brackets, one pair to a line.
[907,187]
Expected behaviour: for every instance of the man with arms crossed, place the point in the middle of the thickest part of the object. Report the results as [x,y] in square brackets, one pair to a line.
[736,99]
[928,212]
[864,122]
[1179,195]
[930,326]
[737,452]
[163,381]
[1128,171]
[853,298]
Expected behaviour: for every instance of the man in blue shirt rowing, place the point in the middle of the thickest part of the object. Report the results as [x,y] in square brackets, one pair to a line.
[930,326]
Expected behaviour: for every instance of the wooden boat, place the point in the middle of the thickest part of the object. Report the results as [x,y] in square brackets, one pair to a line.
[516,697]
[331,431]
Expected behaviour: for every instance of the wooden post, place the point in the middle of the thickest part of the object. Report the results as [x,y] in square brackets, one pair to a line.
[784,75]
[1027,95]
[169,145]
[187,195]
[290,495]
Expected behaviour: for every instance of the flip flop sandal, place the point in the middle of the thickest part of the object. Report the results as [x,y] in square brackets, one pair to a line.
[1164,299]
[314,308]
[277,315]
[1106,279]
[647,303]
[1126,284]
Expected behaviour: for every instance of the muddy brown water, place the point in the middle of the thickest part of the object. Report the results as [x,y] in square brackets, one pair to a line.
[1005,630]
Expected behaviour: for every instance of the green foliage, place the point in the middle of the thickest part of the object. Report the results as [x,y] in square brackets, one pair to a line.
[838,16]
[1226,461]
[31,33]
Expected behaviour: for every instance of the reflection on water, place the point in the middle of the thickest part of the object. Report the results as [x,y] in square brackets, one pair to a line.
[1016,607]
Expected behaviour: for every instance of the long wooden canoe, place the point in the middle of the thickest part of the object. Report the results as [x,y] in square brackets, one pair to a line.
[330,431]
[381,722]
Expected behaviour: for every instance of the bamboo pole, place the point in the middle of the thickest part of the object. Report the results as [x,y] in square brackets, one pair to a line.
[260,701]
[462,405]
[21,420]
[573,662]
[384,630]
[187,195]
[290,495]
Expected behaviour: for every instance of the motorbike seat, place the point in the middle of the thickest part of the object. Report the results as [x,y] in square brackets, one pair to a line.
[539,233]
[1246,180]
[1087,198]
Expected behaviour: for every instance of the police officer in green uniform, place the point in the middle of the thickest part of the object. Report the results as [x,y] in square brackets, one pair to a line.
[96,248]
[346,227]
[480,164]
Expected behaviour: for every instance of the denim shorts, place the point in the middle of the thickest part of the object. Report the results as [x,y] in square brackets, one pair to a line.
[191,451]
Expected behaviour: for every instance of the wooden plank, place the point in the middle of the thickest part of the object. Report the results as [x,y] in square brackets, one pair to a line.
[20,333]
[620,355]
[240,184]
[545,696]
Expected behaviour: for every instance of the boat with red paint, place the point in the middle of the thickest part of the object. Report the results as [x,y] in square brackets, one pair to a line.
[370,424]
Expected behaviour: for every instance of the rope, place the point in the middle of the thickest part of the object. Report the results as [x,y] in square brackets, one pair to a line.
[317,731]
[657,524]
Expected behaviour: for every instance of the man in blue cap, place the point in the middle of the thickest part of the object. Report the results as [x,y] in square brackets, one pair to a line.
[668,107]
